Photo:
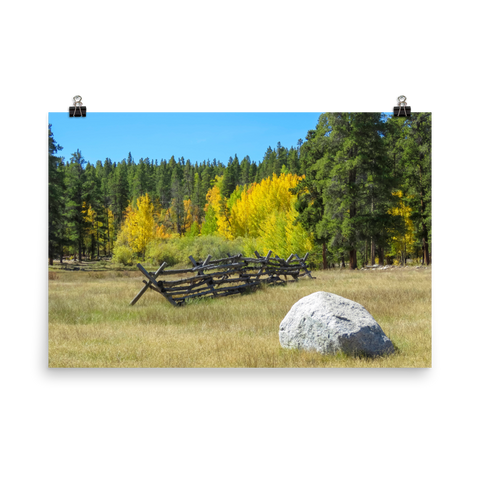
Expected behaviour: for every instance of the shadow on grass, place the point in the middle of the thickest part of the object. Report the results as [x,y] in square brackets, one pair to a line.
[339,355]
[198,301]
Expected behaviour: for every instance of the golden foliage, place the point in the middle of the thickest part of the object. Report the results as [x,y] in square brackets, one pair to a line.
[218,203]
[406,242]
[264,211]
[140,224]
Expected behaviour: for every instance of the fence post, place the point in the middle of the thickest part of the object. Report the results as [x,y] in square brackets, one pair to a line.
[145,288]
[234,270]
[159,287]
[209,281]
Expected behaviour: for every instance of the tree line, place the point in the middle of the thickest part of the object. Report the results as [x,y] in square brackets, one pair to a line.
[359,189]
[367,187]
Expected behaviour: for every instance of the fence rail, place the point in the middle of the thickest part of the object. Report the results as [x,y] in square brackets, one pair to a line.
[222,277]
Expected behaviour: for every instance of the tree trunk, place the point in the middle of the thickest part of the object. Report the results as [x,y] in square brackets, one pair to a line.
[353,259]
[108,236]
[352,177]
[381,259]
[365,261]
[324,255]
[426,255]
[50,253]
[372,245]
[342,264]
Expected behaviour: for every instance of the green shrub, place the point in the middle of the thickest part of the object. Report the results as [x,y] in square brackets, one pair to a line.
[315,257]
[177,250]
[122,254]
[194,230]
[159,251]
[217,247]
[251,244]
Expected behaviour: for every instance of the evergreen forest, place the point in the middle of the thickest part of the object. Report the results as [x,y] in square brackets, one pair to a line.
[355,191]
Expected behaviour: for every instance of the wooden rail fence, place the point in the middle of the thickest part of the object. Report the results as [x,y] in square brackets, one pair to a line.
[225,276]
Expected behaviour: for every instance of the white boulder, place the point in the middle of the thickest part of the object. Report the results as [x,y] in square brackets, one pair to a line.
[328,323]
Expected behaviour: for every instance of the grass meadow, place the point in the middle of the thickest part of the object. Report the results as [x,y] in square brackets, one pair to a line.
[92,325]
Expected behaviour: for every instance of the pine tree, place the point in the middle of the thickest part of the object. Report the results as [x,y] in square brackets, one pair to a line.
[350,168]
[150,186]
[230,177]
[259,174]
[120,192]
[130,168]
[207,178]
[104,173]
[93,206]
[177,195]
[236,170]
[415,143]
[75,199]
[56,191]
[268,164]
[252,173]
[245,171]
[140,180]
[163,180]
[342,184]
[189,178]
[292,161]
[198,201]
[310,190]
[281,159]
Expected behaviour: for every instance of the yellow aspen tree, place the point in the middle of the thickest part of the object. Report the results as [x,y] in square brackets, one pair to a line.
[403,245]
[273,235]
[92,226]
[270,195]
[140,224]
[89,216]
[188,214]
[162,233]
[241,214]
[127,232]
[110,230]
[164,220]
[215,200]
[280,234]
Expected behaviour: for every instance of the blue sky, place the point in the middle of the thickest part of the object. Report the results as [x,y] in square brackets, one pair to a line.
[195,136]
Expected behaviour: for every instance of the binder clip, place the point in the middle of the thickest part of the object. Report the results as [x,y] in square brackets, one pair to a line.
[77,110]
[402,104]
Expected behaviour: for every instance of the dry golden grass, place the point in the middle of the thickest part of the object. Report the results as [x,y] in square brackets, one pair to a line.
[92,325]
